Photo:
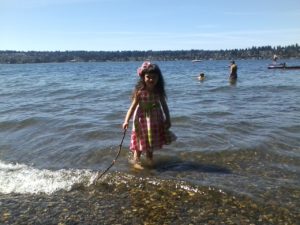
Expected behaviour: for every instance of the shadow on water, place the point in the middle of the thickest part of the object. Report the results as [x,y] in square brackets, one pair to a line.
[183,166]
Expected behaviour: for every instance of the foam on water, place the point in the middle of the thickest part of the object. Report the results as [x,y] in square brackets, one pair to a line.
[23,179]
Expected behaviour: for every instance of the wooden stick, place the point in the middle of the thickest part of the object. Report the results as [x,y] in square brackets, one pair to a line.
[113,162]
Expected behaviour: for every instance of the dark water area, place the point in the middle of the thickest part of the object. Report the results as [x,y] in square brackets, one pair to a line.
[236,159]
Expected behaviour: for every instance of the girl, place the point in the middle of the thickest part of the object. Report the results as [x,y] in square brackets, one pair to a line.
[151,117]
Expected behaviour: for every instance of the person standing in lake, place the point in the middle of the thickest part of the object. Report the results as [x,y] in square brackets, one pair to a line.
[233,71]
[151,117]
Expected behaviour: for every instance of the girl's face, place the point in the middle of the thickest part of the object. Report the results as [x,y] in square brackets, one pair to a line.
[150,80]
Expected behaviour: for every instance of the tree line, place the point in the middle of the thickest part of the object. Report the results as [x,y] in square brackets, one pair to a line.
[264,52]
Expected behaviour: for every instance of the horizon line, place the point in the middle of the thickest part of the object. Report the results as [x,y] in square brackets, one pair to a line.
[192,49]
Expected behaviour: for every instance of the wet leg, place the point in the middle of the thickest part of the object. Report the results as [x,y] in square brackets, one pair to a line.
[137,160]
[149,156]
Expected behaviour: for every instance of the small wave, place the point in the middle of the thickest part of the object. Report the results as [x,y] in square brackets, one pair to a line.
[218,114]
[23,179]
[16,124]
[181,120]
[220,89]
[119,179]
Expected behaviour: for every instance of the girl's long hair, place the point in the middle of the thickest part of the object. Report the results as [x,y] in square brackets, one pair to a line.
[160,85]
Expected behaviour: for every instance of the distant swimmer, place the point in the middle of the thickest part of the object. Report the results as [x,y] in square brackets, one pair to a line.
[233,71]
[201,77]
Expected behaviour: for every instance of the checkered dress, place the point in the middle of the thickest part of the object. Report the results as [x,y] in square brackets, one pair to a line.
[148,130]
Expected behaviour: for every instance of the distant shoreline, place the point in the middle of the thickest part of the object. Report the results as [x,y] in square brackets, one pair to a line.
[264,52]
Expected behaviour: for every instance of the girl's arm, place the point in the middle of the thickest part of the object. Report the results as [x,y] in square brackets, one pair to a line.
[166,112]
[130,112]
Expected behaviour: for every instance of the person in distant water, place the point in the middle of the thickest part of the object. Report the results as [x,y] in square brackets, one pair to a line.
[275,57]
[201,77]
[151,117]
[233,71]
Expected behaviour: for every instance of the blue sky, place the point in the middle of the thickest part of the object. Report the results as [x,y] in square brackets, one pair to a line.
[110,25]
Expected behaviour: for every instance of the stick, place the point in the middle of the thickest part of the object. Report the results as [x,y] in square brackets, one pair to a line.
[113,162]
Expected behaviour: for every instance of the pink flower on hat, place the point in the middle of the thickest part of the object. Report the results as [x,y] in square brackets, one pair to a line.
[144,66]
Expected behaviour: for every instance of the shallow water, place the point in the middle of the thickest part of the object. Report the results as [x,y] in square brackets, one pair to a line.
[61,123]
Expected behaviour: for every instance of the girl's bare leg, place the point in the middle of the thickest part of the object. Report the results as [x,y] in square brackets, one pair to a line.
[149,155]
[137,160]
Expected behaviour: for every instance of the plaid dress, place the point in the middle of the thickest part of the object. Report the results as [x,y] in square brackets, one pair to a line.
[148,130]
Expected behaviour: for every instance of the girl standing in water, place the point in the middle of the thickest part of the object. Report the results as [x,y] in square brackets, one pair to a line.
[151,117]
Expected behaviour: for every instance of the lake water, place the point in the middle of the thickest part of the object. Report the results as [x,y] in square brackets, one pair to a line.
[61,123]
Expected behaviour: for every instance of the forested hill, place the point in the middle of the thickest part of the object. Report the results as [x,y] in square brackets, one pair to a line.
[265,52]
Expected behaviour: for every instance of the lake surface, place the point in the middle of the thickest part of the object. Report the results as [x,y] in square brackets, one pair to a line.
[61,123]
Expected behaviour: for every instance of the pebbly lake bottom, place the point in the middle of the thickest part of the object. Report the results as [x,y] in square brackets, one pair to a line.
[120,198]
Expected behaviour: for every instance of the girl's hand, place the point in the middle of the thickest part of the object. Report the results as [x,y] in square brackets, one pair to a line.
[125,126]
